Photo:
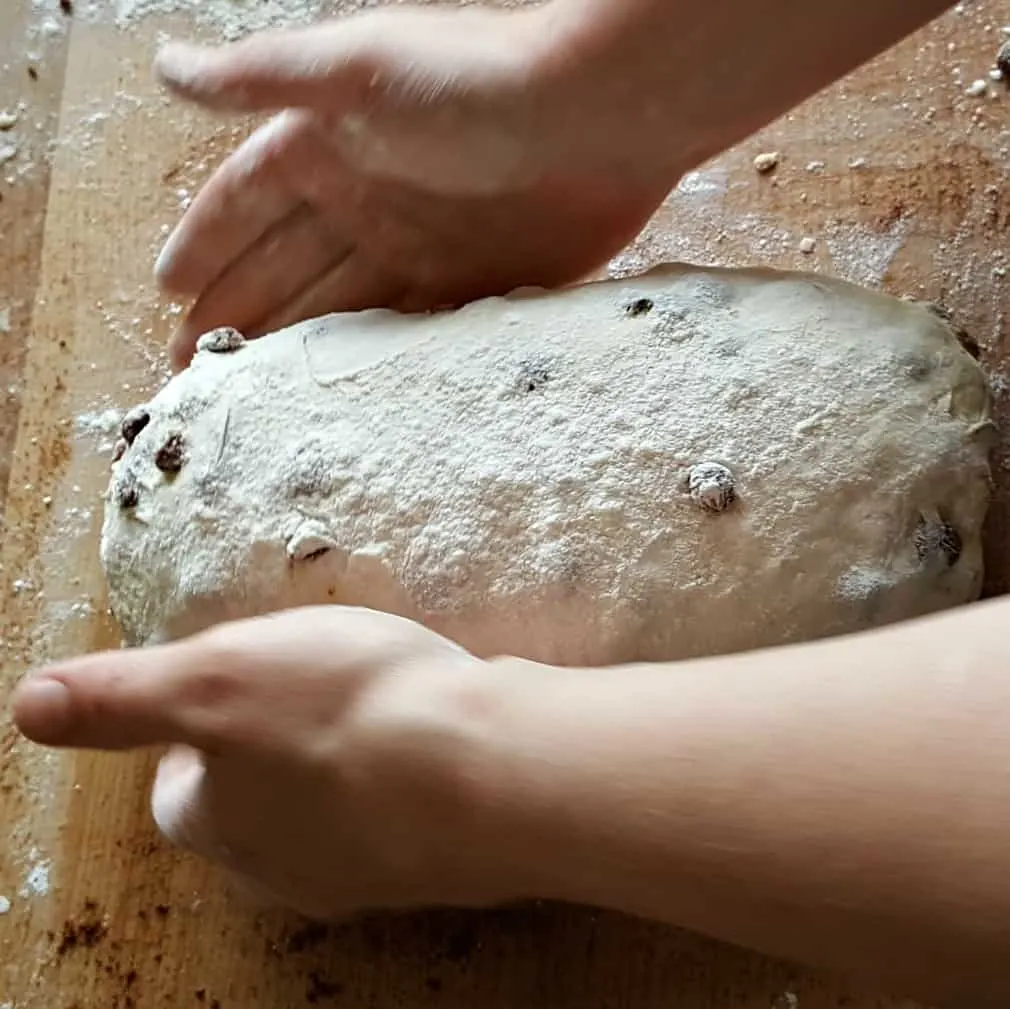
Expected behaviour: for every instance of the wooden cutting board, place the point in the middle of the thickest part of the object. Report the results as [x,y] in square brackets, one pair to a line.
[895,178]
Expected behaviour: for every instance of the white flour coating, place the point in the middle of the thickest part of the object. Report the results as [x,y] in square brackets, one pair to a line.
[229,19]
[518,474]
[232,19]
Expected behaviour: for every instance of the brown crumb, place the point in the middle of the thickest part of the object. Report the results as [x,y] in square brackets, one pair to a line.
[33,73]
[162,910]
[201,994]
[80,934]
[320,988]
[306,937]
[67,6]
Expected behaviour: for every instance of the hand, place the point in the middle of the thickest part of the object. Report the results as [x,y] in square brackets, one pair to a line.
[318,754]
[423,158]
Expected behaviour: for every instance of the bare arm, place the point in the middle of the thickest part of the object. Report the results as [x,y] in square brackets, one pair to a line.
[707,75]
[843,803]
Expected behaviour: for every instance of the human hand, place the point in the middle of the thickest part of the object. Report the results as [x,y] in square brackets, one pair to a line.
[423,158]
[319,754]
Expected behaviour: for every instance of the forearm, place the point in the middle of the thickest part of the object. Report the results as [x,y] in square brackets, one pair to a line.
[706,76]
[845,803]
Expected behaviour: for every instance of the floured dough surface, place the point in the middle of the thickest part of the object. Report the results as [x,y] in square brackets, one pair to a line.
[688,462]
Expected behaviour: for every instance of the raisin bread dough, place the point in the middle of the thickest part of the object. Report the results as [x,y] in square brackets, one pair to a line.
[688,462]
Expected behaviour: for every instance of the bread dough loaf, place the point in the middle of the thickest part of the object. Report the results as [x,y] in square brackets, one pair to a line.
[688,462]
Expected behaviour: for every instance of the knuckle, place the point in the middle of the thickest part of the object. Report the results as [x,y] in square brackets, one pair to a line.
[215,677]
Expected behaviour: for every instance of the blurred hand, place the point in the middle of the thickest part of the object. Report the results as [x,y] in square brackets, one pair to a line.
[319,754]
[419,158]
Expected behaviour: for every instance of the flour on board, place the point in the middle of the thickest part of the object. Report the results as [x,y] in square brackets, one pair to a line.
[229,19]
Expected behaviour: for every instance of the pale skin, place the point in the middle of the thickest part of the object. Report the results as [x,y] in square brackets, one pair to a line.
[845,803]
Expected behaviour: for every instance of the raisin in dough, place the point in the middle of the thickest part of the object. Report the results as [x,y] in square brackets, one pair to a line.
[687,462]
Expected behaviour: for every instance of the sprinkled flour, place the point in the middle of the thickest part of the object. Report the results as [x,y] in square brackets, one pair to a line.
[229,19]
[677,464]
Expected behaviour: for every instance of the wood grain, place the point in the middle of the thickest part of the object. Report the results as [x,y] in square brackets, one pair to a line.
[896,174]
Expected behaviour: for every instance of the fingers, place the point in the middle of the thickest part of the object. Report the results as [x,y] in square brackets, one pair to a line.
[115,701]
[248,685]
[275,270]
[298,68]
[176,800]
[261,686]
[246,197]
[355,284]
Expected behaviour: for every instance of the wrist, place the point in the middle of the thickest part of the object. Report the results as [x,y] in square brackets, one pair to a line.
[528,808]
[667,88]
[610,78]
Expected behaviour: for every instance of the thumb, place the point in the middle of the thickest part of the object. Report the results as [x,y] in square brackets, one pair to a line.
[177,693]
[333,64]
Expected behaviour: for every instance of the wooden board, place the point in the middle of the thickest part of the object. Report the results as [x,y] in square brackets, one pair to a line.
[896,174]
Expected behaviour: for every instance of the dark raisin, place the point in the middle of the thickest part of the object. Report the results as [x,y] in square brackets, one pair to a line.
[712,486]
[170,457]
[220,341]
[640,306]
[968,342]
[67,6]
[128,491]
[934,536]
[133,423]
[1003,62]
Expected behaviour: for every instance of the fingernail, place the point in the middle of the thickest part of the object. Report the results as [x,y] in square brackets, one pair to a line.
[165,263]
[44,708]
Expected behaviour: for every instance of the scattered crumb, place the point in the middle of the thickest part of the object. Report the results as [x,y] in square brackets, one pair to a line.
[8,152]
[5,320]
[8,120]
[807,245]
[976,88]
[78,934]
[766,163]
[5,905]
